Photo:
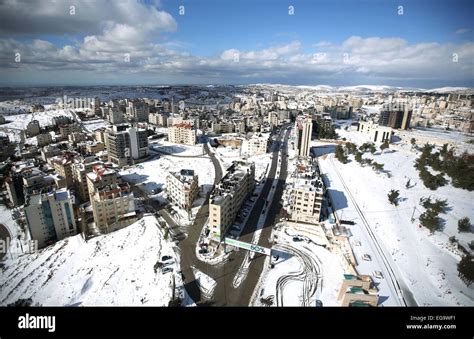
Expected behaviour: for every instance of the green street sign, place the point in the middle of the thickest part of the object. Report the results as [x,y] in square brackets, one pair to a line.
[247,246]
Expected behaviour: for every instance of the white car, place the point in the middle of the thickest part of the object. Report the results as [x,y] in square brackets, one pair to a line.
[378,274]
[366,257]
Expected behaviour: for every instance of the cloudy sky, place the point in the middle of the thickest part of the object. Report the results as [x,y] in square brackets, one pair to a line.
[427,43]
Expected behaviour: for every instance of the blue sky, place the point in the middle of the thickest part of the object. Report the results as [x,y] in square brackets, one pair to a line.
[338,42]
[249,24]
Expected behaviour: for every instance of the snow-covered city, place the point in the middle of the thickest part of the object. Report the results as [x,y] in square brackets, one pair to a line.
[238,168]
[259,195]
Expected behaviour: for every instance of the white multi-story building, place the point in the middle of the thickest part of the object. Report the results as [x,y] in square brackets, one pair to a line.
[66,130]
[79,173]
[138,143]
[126,144]
[100,176]
[376,133]
[50,217]
[182,134]
[303,130]
[174,120]
[256,145]
[228,196]
[138,111]
[182,188]
[115,116]
[307,194]
[113,207]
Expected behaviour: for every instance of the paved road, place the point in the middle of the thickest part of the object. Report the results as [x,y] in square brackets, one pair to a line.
[188,245]
[393,278]
[4,235]
[225,293]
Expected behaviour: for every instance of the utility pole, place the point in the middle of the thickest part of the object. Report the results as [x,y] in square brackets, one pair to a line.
[413,215]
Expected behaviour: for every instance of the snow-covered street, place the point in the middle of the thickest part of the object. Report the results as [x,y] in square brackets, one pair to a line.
[407,247]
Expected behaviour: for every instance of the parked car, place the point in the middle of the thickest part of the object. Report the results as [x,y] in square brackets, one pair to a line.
[347,222]
[366,257]
[167,270]
[166,258]
[378,274]
[297,239]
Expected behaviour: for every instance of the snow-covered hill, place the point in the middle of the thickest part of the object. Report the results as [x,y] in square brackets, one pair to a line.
[463,90]
[113,269]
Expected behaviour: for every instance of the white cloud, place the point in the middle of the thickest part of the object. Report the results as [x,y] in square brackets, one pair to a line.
[462,31]
[372,57]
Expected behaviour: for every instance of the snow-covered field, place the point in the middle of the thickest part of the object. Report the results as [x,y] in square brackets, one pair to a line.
[113,269]
[299,262]
[227,154]
[20,121]
[206,283]
[95,124]
[177,150]
[427,263]
[153,173]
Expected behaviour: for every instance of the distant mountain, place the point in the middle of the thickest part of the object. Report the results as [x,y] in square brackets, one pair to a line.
[461,90]
[351,89]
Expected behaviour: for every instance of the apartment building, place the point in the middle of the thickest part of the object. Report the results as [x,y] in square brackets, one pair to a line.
[256,145]
[50,216]
[33,128]
[358,291]
[223,127]
[182,188]
[113,207]
[376,133]
[228,196]
[50,151]
[100,176]
[25,180]
[174,120]
[115,115]
[66,130]
[182,133]
[303,130]
[159,119]
[62,165]
[307,193]
[138,111]
[138,143]
[44,139]
[396,118]
[76,137]
[93,147]
[79,172]
[125,144]
[100,135]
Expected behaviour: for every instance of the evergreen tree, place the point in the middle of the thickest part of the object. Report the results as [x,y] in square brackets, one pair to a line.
[466,269]
[430,220]
[464,225]
[384,146]
[393,197]
[340,155]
